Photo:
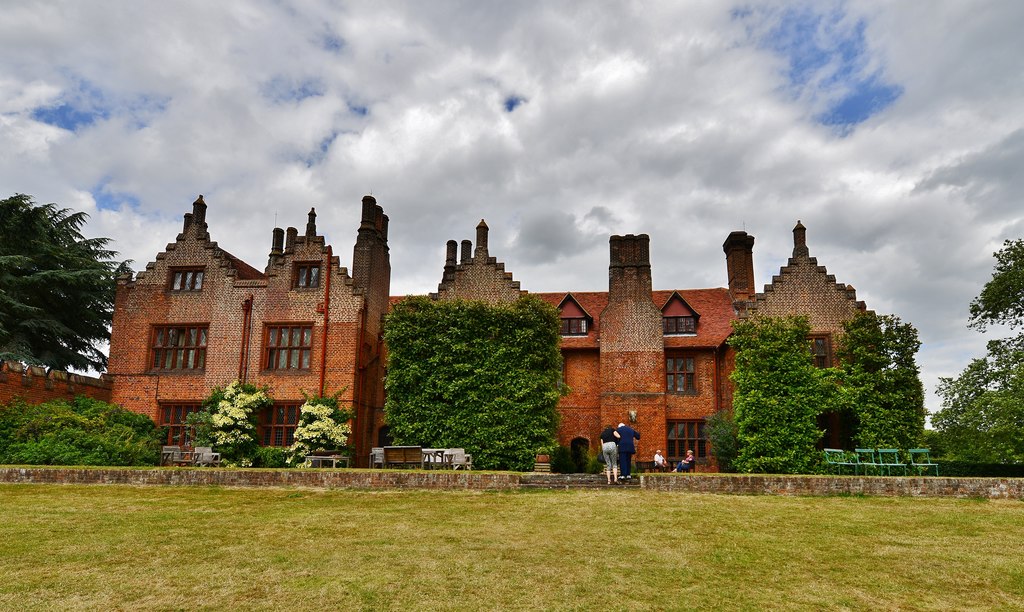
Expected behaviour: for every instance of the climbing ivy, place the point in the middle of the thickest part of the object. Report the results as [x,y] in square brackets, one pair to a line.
[476,376]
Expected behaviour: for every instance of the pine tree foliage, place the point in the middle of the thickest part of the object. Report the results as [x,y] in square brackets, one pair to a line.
[474,376]
[56,287]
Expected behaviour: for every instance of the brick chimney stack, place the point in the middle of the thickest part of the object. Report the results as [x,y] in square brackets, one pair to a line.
[481,240]
[467,252]
[800,241]
[739,263]
[629,271]
[311,224]
[277,242]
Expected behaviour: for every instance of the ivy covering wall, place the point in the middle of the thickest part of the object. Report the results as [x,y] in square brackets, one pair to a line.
[475,376]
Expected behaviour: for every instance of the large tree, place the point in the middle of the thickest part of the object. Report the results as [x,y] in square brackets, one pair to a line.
[779,394]
[466,374]
[56,287]
[880,380]
[982,418]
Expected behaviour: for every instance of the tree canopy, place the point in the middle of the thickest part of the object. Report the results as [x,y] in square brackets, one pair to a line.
[56,287]
[982,418]
[469,375]
[779,394]
[880,381]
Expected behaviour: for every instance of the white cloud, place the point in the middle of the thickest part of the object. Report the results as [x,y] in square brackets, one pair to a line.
[678,120]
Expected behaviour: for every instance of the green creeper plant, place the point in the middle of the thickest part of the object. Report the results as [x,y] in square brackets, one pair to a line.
[476,376]
[778,396]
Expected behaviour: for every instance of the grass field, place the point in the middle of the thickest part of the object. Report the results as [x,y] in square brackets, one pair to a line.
[164,548]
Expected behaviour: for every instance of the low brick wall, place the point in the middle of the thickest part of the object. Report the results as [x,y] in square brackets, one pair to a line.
[728,484]
[882,486]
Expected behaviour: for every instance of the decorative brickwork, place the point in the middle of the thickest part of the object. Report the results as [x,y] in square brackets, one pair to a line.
[479,277]
[35,385]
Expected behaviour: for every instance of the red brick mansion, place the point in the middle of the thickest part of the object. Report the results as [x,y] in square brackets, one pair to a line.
[198,318]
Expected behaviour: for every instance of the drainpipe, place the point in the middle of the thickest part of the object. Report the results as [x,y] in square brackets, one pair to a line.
[243,357]
[327,313]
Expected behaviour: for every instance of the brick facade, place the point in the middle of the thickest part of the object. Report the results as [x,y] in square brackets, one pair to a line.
[658,359]
[334,322]
[616,370]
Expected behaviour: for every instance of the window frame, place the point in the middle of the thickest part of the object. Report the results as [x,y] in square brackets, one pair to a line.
[300,354]
[186,279]
[822,359]
[173,416]
[277,423]
[673,373]
[301,275]
[694,436]
[581,324]
[161,354]
[679,326]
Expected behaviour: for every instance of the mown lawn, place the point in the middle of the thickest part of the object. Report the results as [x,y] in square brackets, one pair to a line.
[157,548]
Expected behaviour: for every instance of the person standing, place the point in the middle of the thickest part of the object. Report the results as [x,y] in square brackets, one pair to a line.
[626,450]
[610,451]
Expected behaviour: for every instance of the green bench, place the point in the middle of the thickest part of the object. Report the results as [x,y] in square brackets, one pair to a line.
[837,459]
[921,460]
[889,460]
[866,459]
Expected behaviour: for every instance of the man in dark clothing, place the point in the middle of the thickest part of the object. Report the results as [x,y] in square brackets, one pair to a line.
[626,449]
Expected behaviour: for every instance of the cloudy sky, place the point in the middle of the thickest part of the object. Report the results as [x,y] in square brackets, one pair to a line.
[894,131]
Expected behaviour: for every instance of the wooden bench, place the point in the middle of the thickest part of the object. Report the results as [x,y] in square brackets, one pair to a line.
[322,458]
[403,456]
[921,460]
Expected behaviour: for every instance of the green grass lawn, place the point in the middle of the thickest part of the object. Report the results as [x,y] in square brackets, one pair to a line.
[169,548]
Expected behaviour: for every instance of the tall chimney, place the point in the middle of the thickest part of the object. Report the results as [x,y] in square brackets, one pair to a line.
[739,264]
[311,224]
[629,270]
[467,251]
[277,242]
[481,240]
[800,240]
[289,243]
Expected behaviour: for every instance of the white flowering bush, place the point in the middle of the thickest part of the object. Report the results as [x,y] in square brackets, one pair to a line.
[322,426]
[230,424]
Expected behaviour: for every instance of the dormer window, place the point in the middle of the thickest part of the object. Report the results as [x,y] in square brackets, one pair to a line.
[575,320]
[679,325]
[186,279]
[574,327]
[306,276]
[677,317]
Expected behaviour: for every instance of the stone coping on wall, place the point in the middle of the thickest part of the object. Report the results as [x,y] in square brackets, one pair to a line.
[726,484]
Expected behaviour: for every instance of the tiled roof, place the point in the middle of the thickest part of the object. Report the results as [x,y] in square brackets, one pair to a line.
[713,305]
[243,270]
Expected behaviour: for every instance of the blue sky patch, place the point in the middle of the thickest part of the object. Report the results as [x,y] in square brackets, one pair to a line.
[357,109]
[281,89]
[79,106]
[106,199]
[829,65]
[332,43]
[513,102]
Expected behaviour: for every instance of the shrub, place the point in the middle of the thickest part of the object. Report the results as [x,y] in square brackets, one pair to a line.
[950,467]
[322,426]
[721,431]
[228,421]
[82,432]
[562,461]
[270,457]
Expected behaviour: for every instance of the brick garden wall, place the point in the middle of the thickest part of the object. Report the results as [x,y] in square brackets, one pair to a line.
[35,385]
[721,484]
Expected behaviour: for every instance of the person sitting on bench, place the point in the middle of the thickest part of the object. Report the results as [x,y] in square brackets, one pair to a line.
[686,465]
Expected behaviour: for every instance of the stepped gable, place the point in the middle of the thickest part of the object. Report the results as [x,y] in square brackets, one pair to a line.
[476,275]
[195,236]
[804,287]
